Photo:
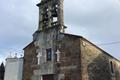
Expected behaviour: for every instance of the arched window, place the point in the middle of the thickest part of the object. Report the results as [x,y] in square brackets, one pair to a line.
[111,67]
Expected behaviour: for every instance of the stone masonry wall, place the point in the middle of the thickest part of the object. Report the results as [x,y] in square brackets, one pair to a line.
[30,61]
[79,60]
[116,69]
[96,63]
[69,64]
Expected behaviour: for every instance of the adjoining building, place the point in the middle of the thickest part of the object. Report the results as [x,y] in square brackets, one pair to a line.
[2,70]
[56,55]
[13,68]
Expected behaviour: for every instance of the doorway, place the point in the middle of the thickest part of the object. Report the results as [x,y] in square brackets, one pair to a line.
[48,77]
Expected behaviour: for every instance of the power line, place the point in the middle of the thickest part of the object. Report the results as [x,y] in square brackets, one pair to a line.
[111,43]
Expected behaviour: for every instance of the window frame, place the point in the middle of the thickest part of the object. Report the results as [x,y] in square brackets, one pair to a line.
[49,54]
[112,68]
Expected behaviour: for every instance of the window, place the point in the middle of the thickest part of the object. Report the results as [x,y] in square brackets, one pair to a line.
[55,19]
[112,67]
[49,54]
[55,57]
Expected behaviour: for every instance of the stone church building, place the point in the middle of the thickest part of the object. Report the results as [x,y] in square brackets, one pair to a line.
[56,55]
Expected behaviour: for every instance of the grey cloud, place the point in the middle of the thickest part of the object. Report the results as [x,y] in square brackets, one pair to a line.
[97,20]
[92,16]
[18,21]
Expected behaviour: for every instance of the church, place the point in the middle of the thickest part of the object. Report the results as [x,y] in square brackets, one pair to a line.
[56,55]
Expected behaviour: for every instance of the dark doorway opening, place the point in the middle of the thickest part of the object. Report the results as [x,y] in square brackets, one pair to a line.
[48,77]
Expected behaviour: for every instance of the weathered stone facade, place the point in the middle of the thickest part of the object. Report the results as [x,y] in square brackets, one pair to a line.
[79,60]
[30,60]
[55,55]
[70,62]
[96,63]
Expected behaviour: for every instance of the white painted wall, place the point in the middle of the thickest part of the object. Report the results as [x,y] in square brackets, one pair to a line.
[13,69]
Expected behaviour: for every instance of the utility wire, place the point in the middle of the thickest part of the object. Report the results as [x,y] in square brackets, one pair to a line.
[111,43]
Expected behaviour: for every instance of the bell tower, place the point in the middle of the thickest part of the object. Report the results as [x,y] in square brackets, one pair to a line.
[47,37]
[51,15]
[51,24]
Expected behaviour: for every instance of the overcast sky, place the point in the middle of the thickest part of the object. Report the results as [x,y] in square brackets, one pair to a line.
[96,20]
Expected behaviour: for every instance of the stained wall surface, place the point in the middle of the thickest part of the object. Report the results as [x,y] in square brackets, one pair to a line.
[79,60]
[70,63]
[96,63]
[30,60]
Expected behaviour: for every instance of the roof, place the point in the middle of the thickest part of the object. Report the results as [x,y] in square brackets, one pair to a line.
[28,45]
[91,43]
[82,38]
